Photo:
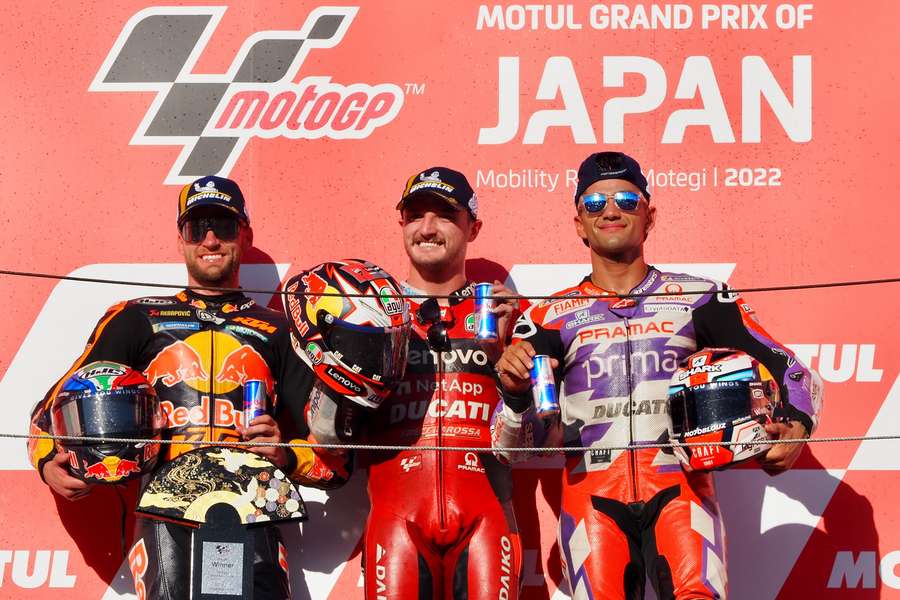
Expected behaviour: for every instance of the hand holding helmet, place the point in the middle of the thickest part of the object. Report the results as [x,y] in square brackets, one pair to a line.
[351,327]
[111,401]
[721,395]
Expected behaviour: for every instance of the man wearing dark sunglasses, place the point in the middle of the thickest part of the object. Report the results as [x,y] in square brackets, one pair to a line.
[441,524]
[628,513]
[199,348]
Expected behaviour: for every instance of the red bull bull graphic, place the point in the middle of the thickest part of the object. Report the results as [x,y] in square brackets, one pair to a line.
[98,470]
[245,364]
[177,362]
[315,285]
[190,361]
[111,469]
[330,302]
[127,467]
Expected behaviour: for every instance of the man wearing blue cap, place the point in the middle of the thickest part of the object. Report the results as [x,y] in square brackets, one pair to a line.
[199,348]
[214,231]
[629,511]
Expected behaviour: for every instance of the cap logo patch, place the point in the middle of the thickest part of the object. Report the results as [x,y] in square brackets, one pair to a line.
[434,176]
[206,195]
[473,204]
[209,186]
[431,184]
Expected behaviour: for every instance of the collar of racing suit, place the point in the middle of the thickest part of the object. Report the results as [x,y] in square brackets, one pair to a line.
[648,280]
[455,297]
[238,298]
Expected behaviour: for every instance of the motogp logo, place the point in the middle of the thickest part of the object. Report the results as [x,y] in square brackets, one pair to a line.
[411,463]
[213,116]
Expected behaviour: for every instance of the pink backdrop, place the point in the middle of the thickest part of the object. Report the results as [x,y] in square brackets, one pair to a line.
[772,142]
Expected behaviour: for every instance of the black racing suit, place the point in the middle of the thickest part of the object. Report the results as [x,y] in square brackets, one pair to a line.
[197,351]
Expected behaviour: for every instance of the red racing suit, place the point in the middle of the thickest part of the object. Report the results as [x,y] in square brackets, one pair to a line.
[197,351]
[441,523]
[627,513]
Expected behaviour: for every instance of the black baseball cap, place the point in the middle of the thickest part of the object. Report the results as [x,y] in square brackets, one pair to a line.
[446,184]
[212,191]
[610,165]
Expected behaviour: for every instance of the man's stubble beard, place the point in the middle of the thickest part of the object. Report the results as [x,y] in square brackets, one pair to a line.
[203,278]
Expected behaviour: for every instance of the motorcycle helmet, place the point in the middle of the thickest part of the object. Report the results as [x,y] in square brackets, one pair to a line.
[351,327]
[720,395]
[112,401]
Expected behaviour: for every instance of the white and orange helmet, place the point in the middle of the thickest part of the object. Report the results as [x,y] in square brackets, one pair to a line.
[720,395]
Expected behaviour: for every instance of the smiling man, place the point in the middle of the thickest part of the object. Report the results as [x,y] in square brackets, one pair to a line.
[627,510]
[441,524]
[199,349]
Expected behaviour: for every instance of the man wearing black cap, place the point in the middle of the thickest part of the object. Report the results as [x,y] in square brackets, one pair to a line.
[628,512]
[198,349]
[441,523]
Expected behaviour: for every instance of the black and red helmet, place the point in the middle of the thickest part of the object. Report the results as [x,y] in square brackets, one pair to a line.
[112,401]
[350,324]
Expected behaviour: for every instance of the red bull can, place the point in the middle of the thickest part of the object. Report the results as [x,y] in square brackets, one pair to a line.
[254,400]
[543,386]
[485,319]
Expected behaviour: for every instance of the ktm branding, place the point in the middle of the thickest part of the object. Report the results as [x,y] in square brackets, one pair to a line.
[46,568]
[213,116]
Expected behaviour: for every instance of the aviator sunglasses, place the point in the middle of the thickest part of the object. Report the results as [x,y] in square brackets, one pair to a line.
[223,227]
[625,200]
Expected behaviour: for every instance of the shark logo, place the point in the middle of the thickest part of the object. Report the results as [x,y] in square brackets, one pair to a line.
[213,116]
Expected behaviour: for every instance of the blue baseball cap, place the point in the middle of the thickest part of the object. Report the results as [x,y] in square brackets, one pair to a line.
[610,165]
[212,191]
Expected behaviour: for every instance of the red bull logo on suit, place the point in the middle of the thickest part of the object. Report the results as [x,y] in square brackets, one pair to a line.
[209,361]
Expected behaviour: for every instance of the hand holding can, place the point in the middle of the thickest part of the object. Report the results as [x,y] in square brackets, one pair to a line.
[254,400]
[543,386]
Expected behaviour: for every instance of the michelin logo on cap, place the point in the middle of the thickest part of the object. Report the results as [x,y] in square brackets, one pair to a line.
[207,191]
[431,181]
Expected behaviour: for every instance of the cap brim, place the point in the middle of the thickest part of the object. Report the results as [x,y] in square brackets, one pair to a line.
[427,192]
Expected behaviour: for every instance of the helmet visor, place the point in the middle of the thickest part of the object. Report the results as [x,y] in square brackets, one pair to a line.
[376,353]
[713,406]
[119,413]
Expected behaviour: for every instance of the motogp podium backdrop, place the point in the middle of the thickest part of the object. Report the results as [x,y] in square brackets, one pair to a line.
[768,132]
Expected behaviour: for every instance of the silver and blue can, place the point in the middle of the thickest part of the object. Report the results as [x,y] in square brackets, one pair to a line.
[485,319]
[543,386]
[254,400]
